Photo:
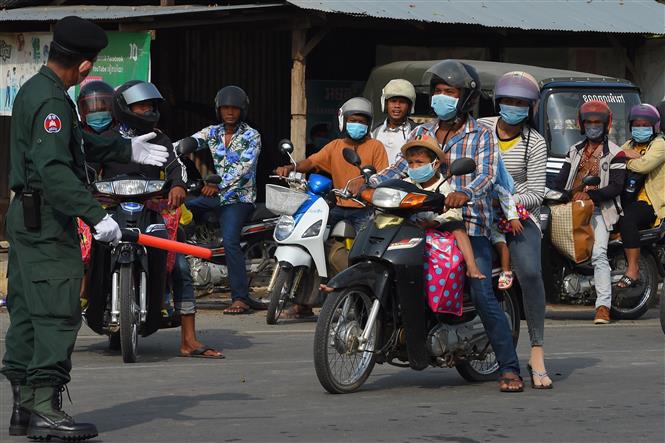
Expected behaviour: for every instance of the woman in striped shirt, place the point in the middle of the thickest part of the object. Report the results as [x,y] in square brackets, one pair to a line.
[524,153]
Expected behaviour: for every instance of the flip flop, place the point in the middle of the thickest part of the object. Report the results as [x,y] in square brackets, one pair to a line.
[626,282]
[508,382]
[200,353]
[237,310]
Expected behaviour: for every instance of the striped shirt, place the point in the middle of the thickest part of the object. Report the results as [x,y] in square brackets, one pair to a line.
[476,142]
[527,163]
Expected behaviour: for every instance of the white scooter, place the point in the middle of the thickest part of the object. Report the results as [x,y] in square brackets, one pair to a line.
[305,256]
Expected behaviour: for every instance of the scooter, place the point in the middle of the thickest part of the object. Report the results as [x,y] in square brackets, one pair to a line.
[304,253]
[256,242]
[377,313]
[567,282]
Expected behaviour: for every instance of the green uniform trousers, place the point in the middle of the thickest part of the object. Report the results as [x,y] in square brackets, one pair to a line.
[44,308]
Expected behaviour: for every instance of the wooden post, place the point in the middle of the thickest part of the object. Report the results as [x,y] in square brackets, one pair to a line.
[298,98]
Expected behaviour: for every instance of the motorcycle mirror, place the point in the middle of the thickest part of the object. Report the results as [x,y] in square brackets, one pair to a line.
[286,147]
[186,146]
[213,179]
[351,156]
[591,180]
[462,166]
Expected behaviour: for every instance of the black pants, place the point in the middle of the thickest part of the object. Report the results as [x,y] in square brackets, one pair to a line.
[637,215]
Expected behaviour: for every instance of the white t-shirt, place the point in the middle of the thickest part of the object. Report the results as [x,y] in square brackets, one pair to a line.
[392,138]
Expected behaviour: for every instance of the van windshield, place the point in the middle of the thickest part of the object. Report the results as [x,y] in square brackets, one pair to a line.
[561,128]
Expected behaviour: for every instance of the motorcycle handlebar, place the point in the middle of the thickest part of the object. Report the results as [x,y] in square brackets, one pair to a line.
[132,236]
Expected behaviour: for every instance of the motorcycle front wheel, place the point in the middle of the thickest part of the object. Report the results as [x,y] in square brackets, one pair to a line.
[279,294]
[486,369]
[340,365]
[129,314]
[662,310]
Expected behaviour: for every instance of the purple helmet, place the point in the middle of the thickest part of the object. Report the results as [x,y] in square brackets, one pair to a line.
[646,112]
[517,84]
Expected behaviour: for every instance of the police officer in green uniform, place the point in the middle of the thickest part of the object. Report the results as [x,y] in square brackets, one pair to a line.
[47,174]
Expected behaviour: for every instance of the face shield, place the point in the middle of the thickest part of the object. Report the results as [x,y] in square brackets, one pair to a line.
[141,92]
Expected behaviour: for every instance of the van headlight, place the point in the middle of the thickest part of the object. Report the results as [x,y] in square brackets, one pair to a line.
[285,226]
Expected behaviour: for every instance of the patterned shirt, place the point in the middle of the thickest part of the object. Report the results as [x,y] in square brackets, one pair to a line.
[235,163]
[476,142]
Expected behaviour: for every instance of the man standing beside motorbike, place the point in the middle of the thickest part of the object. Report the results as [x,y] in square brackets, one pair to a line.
[398,101]
[235,148]
[455,88]
[596,156]
[48,152]
[644,197]
[524,154]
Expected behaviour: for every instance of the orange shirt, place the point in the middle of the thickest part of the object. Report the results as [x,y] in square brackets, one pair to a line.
[331,160]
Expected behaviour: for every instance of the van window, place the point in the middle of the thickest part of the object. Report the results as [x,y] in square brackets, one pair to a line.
[561,127]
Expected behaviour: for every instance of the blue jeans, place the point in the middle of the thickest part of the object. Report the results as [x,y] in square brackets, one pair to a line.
[184,300]
[358,217]
[231,220]
[526,259]
[490,311]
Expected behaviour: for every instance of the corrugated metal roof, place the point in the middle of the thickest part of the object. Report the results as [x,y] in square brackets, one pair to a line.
[52,13]
[621,16]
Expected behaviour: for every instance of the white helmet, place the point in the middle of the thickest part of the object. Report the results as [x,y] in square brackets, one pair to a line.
[398,88]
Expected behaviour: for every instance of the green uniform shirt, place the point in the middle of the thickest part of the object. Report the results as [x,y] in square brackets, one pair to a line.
[45,131]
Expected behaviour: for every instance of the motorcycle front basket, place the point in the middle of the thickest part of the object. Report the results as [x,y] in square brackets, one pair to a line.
[284,201]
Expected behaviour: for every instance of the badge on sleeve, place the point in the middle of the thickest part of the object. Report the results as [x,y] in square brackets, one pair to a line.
[52,124]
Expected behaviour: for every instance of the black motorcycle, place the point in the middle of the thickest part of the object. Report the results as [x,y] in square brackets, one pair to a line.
[377,311]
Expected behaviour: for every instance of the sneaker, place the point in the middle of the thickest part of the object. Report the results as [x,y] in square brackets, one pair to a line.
[602,315]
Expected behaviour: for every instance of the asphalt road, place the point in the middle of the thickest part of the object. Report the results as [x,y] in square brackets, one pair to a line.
[609,387]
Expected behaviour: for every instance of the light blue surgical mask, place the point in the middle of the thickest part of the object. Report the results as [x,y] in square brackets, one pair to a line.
[356,130]
[444,106]
[594,131]
[513,115]
[641,134]
[422,173]
[99,121]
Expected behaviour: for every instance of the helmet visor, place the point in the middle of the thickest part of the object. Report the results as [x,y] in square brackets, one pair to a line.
[141,92]
[95,102]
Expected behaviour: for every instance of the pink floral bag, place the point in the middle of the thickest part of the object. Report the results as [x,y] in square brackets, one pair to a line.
[445,273]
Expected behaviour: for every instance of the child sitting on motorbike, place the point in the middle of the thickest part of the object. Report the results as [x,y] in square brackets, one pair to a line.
[424,156]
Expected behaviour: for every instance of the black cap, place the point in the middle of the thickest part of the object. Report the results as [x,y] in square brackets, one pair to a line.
[77,36]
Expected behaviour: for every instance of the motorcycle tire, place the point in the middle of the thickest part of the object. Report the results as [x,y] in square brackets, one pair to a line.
[650,277]
[278,294]
[129,319]
[114,341]
[336,335]
[478,371]
[662,310]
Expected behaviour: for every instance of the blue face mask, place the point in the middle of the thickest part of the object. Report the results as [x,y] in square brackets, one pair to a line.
[422,174]
[99,121]
[513,115]
[641,134]
[594,131]
[356,130]
[444,106]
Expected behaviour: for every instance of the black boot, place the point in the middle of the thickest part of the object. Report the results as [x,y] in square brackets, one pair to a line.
[48,420]
[18,424]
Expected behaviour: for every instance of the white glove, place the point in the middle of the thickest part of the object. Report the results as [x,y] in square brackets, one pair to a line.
[108,230]
[148,153]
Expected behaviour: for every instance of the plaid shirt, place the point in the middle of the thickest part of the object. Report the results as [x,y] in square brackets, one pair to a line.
[474,141]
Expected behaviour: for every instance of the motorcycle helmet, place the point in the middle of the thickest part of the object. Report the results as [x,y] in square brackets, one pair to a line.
[598,109]
[646,112]
[661,110]
[517,84]
[232,96]
[135,91]
[458,75]
[398,88]
[95,96]
[356,105]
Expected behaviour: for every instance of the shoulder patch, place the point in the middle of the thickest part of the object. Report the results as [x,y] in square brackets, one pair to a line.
[52,124]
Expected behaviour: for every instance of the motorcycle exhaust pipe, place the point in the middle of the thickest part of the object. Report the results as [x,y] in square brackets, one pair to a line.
[151,241]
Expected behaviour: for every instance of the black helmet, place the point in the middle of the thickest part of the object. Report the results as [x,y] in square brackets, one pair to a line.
[95,97]
[135,91]
[232,96]
[458,75]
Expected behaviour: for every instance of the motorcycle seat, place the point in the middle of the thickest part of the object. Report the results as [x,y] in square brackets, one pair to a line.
[261,213]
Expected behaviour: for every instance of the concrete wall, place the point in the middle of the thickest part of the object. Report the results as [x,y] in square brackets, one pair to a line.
[650,66]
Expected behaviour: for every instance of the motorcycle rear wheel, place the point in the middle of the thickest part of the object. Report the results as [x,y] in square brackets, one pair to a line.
[279,294]
[486,370]
[129,315]
[662,310]
[649,277]
[264,253]
[340,367]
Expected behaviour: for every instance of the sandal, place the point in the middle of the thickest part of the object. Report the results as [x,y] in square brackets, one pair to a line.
[511,384]
[201,353]
[505,280]
[626,282]
[237,308]
[540,375]
[298,312]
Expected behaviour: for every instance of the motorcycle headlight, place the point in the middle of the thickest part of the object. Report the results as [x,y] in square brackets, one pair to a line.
[285,227]
[104,187]
[388,198]
[313,230]
[129,187]
[154,186]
